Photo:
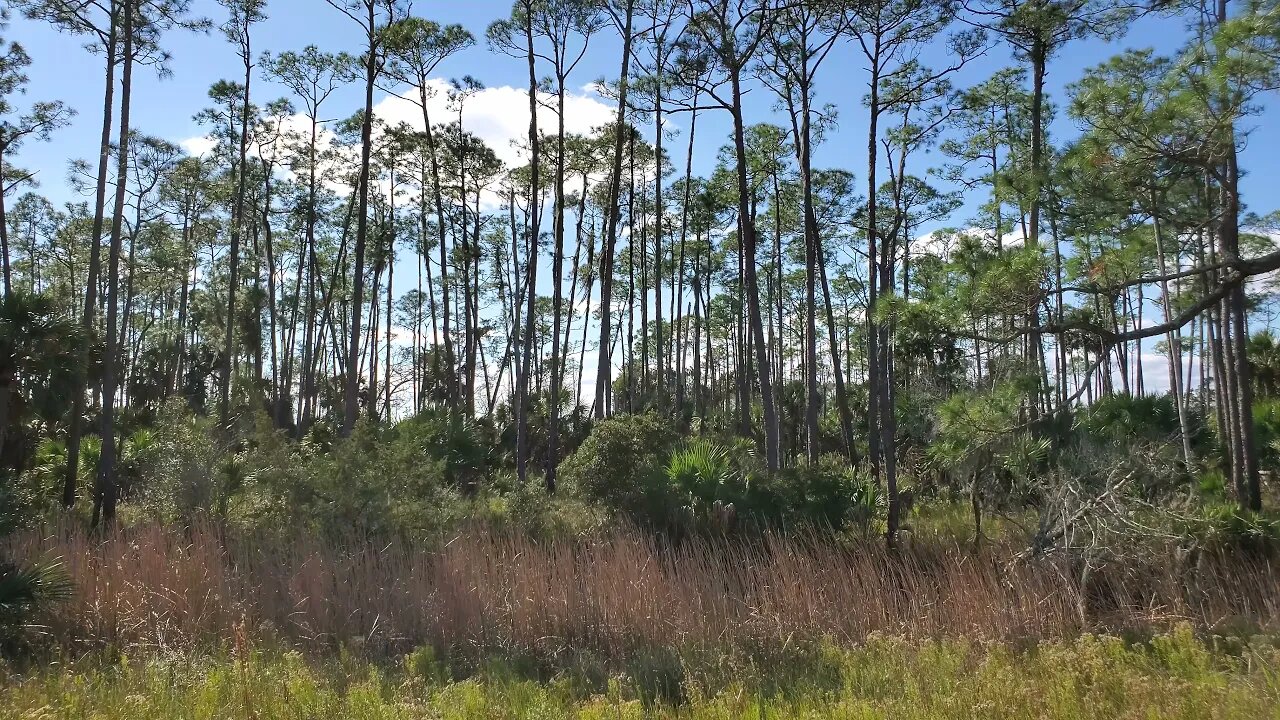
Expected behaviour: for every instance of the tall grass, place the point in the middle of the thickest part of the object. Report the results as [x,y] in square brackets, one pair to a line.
[612,594]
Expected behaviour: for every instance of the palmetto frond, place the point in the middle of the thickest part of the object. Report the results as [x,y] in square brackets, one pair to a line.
[31,587]
[699,468]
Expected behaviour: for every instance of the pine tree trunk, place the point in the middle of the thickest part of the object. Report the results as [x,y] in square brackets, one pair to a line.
[604,368]
[811,260]
[531,269]
[752,289]
[233,256]
[351,386]
[71,473]
[557,301]
[447,373]
[105,495]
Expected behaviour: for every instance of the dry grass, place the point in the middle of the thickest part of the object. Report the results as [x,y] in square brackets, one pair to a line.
[167,588]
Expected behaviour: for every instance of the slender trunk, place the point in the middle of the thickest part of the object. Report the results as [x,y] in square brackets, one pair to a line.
[70,477]
[105,496]
[1039,58]
[659,357]
[471,260]
[531,269]
[684,233]
[873,272]
[810,277]
[1172,338]
[699,396]
[628,360]
[777,332]
[307,381]
[1060,348]
[842,395]
[449,374]
[604,367]
[557,301]
[586,314]
[4,236]
[740,348]
[748,243]
[391,269]
[351,390]
[279,394]
[1236,337]
[184,295]
[233,259]
[644,291]
[574,272]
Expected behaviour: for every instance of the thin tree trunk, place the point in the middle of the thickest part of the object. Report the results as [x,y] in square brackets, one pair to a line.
[391,269]
[351,389]
[811,261]
[233,259]
[71,474]
[604,367]
[448,375]
[1172,339]
[748,242]
[105,497]
[684,233]
[557,301]
[531,268]
[842,395]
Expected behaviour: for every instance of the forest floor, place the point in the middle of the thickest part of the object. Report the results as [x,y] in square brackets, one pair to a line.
[1095,677]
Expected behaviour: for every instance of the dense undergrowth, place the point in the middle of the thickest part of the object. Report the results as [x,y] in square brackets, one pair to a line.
[431,474]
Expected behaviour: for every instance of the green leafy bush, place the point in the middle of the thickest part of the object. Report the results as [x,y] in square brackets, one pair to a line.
[1122,418]
[174,469]
[621,465]
[828,495]
[1227,527]
[1266,424]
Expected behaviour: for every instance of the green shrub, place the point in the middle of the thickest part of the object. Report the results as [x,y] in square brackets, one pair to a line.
[460,443]
[176,469]
[1227,527]
[1123,418]
[529,509]
[1266,424]
[27,497]
[826,495]
[621,465]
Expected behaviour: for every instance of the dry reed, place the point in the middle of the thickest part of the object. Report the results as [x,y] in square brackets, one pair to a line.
[171,588]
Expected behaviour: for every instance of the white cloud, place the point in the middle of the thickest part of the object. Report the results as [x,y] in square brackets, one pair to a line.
[198,146]
[497,115]
[941,243]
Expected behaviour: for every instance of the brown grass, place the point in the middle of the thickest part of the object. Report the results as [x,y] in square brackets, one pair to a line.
[168,588]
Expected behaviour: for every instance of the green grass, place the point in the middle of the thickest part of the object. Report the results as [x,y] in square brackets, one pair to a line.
[1172,676]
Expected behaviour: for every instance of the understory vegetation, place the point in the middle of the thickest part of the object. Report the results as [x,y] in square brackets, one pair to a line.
[1170,676]
[616,593]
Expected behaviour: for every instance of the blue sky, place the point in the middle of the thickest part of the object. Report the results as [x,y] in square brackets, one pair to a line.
[164,107]
[63,70]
